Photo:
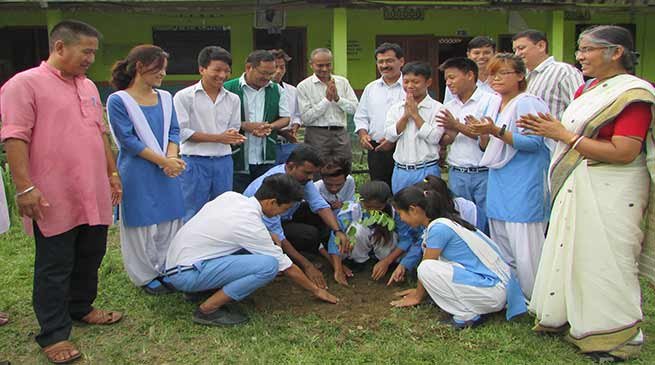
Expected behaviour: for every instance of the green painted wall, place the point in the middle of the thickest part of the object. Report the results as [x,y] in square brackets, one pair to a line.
[123,31]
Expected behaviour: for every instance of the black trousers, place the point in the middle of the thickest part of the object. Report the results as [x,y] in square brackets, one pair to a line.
[66,278]
[306,230]
[380,164]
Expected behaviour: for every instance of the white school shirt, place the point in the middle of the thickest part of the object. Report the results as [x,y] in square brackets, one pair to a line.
[196,112]
[347,192]
[480,84]
[415,146]
[225,225]
[555,83]
[374,104]
[465,151]
[317,111]
[253,106]
[292,99]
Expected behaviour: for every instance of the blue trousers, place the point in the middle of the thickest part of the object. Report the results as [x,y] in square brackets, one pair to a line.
[473,187]
[203,180]
[237,275]
[282,152]
[402,178]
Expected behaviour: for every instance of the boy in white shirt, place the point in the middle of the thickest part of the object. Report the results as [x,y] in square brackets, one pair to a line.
[412,125]
[202,256]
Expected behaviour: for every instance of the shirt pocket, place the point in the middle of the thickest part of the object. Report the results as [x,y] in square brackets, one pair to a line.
[92,111]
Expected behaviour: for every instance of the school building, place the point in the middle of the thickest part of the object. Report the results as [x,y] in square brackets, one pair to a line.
[431,31]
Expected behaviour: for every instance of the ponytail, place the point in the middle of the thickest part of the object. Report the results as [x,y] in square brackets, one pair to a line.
[151,58]
[122,74]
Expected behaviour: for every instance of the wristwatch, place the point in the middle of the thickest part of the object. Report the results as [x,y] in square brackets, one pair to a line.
[502,130]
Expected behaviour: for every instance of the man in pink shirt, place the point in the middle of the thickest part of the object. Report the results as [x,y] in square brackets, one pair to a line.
[66,181]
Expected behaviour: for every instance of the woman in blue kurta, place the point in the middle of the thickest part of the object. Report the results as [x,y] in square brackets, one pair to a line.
[145,128]
[517,190]
[462,269]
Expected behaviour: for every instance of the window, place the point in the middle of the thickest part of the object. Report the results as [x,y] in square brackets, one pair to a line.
[184,43]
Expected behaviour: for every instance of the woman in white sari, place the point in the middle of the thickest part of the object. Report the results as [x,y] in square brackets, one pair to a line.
[587,282]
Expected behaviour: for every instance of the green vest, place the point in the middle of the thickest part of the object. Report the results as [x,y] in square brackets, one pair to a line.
[271,114]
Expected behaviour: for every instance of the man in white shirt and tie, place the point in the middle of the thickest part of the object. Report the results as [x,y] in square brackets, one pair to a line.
[210,120]
[325,101]
[378,96]
[466,178]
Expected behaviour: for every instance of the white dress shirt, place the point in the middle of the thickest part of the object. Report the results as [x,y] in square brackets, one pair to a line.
[253,101]
[480,84]
[413,145]
[207,235]
[317,111]
[292,99]
[465,151]
[196,112]
[377,98]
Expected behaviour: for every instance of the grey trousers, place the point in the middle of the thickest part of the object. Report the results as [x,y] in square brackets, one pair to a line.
[330,142]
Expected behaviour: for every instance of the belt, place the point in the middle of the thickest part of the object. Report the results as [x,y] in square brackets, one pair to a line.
[330,127]
[470,170]
[179,269]
[208,157]
[417,166]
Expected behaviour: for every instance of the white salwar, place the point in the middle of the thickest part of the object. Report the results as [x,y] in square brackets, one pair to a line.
[465,302]
[588,273]
[364,244]
[144,249]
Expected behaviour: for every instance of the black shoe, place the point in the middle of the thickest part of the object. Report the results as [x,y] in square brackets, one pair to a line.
[221,317]
[462,325]
[603,357]
[159,290]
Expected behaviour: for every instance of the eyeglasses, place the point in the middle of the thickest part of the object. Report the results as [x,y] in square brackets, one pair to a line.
[585,50]
[502,74]
[265,74]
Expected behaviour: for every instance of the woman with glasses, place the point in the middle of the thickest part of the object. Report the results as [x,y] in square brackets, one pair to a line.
[517,191]
[599,177]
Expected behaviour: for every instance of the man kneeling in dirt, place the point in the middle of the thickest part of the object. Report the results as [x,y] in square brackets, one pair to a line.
[226,245]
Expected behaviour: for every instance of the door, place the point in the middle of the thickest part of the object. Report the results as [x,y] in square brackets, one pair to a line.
[293,41]
[21,48]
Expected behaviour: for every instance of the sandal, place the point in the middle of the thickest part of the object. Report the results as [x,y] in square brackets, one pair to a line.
[99,316]
[55,352]
[4,318]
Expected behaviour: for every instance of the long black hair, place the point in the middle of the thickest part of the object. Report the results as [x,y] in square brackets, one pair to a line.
[435,204]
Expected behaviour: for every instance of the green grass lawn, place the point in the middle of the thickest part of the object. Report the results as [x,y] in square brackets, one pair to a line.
[286,327]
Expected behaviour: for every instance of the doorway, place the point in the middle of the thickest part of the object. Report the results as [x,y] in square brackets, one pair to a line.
[293,41]
[21,48]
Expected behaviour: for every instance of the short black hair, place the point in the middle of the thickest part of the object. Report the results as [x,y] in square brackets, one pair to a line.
[259,56]
[69,31]
[280,54]
[386,46]
[214,53]
[281,187]
[335,166]
[377,191]
[461,63]
[305,153]
[418,68]
[535,36]
[480,42]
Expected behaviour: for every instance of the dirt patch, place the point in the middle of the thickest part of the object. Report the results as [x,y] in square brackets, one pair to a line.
[364,302]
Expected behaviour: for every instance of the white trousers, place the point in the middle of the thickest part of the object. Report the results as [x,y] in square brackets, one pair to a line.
[364,244]
[144,249]
[520,244]
[464,302]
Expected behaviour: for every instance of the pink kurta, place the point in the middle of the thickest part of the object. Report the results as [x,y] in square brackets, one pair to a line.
[61,120]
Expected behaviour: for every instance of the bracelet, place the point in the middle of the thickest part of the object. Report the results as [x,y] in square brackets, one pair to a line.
[171,156]
[577,142]
[114,173]
[573,140]
[502,130]
[25,191]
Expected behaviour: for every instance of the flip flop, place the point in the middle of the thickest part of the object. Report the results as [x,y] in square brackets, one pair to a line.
[4,318]
[53,351]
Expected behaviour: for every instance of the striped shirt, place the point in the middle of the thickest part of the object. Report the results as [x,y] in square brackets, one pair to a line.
[555,83]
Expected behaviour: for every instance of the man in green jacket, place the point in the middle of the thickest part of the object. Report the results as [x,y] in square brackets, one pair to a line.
[264,111]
